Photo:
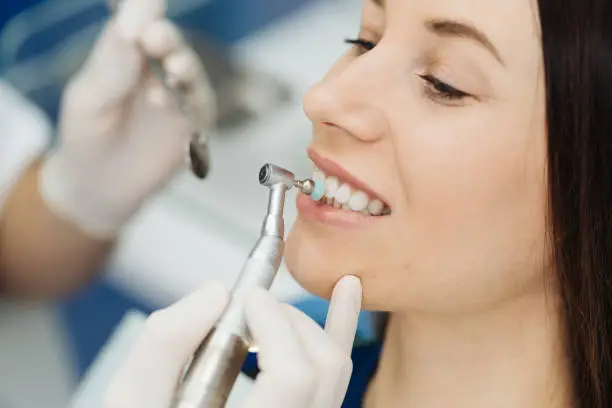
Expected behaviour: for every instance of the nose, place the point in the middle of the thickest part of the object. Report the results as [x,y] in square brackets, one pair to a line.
[348,99]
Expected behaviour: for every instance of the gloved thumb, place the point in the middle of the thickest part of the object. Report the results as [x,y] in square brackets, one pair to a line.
[170,336]
[116,64]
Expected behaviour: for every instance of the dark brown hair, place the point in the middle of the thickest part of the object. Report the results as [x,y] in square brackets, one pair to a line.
[577,48]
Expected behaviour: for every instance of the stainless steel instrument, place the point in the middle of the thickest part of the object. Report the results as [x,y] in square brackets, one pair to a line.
[216,364]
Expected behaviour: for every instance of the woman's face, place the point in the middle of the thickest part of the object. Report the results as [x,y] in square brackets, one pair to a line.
[439,113]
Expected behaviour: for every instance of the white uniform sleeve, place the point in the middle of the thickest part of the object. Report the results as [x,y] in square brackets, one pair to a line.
[25,132]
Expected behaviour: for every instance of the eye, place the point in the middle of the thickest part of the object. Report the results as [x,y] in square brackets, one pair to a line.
[441,90]
[435,88]
[361,44]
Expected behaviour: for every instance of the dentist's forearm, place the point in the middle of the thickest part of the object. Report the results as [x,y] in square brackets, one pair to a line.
[41,255]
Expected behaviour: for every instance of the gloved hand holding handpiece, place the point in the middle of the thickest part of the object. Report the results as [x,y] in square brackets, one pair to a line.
[301,365]
[122,135]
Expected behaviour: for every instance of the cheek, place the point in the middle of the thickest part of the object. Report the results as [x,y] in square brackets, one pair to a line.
[318,256]
[475,205]
[309,262]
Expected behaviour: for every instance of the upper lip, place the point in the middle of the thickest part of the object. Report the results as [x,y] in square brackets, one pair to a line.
[331,168]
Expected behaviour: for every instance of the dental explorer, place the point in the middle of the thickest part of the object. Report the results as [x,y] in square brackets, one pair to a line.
[215,366]
[199,152]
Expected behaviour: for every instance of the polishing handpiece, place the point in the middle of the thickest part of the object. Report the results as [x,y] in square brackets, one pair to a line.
[215,366]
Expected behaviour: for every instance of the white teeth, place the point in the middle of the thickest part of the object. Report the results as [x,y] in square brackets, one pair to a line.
[331,185]
[318,175]
[358,201]
[346,197]
[343,194]
[375,207]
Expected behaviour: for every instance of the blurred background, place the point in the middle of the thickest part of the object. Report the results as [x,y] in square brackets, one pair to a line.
[261,55]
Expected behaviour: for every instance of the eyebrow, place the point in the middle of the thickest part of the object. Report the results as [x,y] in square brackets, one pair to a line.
[451,28]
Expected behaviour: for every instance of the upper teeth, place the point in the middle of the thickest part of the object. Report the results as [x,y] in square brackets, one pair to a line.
[341,194]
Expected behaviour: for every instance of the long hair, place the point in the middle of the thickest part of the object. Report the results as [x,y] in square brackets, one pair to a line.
[577,49]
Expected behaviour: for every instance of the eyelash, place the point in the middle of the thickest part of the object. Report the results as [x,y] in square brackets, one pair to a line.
[363,45]
[435,87]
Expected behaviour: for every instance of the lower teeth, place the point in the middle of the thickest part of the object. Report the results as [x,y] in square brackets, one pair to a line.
[336,204]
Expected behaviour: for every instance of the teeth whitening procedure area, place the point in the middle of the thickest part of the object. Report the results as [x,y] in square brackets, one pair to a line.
[341,194]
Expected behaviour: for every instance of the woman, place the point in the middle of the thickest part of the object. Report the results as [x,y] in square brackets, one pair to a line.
[483,127]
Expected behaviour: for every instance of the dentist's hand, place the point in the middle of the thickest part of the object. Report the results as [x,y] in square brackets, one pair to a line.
[302,365]
[122,135]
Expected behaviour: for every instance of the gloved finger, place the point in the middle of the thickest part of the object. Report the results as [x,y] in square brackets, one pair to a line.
[134,16]
[202,103]
[333,364]
[179,328]
[169,338]
[316,341]
[183,66]
[161,38]
[203,99]
[157,94]
[110,74]
[185,70]
[343,313]
[287,378]
[114,67]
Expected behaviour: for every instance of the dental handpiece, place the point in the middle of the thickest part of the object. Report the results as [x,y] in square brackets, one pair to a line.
[215,366]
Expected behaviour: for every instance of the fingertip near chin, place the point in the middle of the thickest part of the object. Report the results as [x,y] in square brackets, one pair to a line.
[349,284]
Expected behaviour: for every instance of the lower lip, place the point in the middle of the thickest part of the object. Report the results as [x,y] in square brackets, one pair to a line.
[326,214]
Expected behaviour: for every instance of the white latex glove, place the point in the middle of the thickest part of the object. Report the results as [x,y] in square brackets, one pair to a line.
[302,365]
[122,135]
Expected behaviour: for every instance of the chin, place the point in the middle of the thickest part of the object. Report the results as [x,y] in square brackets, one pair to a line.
[308,261]
[318,259]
